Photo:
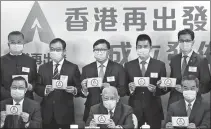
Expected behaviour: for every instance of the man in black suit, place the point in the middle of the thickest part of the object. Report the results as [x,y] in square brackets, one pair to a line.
[186,63]
[193,106]
[30,117]
[17,63]
[57,104]
[120,114]
[146,101]
[111,72]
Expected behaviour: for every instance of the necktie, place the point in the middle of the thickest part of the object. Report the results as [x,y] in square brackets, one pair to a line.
[143,70]
[189,109]
[17,104]
[56,72]
[111,114]
[184,64]
[101,73]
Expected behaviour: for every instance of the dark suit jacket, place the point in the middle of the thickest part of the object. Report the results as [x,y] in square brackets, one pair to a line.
[202,74]
[122,115]
[112,69]
[12,65]
[151,100]
[200,114]
[29,106]
[58,102]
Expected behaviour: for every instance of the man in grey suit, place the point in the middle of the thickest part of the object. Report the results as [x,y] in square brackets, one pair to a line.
[192,105]
[120,114]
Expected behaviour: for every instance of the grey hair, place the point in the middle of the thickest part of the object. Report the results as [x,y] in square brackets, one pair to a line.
[191,77]
[110,89]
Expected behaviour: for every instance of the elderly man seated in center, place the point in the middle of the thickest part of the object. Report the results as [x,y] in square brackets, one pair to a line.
[120,115]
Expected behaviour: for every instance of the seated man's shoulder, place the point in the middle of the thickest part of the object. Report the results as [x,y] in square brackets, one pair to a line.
[6,101]
[205,103]
[32,102]
[95,107]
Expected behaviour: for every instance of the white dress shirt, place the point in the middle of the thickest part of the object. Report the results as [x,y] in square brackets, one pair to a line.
[186,104]
[146,64]
[15,55]
[60,65]
[20,103]
[111,111]
[187,59]
[104,68]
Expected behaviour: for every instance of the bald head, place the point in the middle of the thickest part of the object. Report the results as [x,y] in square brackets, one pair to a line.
[110,92]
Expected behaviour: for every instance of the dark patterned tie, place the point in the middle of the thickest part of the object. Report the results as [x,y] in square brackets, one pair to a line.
[189,109]
[56,72]
[143,69]
[184,64]
[111,114]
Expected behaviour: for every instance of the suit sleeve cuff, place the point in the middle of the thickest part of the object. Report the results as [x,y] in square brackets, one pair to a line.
[84,92]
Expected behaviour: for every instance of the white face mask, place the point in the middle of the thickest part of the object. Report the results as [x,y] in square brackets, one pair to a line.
[56,56]
[143,52]
[186,47]
[100,56]
[110,104]
[18,94]
[16,48]
[189,95]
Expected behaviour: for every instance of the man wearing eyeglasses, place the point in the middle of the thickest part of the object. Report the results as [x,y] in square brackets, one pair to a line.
[57,104]
[186,63]
[17,63]
[111,73]
[29,116]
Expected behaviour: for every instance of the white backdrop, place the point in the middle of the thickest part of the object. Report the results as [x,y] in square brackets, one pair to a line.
[44,20]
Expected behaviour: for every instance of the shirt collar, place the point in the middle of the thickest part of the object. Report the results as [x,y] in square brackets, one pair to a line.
[189,54]
[21,102]
[112,110]
[105,63]
[15,55]
[147,61]
[186,103]
[60,63]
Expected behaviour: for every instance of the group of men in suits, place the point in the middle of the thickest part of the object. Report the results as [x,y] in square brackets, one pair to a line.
[57,106]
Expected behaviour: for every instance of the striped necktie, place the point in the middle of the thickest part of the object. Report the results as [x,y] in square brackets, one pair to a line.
[56,72]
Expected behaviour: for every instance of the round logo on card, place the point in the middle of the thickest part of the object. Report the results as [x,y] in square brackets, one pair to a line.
[180,121]
[14,110]
[141,81]
[102,119]
[59,84]
[94,82]
[168,82]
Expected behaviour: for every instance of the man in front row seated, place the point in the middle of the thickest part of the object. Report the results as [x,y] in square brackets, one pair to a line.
[120,114]
[193,105]
[29,117]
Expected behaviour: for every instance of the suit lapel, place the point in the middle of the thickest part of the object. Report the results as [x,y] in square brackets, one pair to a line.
[183,108]
[102,109]
[150,66]
[108,70]
[191,62]
[51,69]
[137,66]
[117,113]
[195,108]
[179,59]
[95,69]
[62,71]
